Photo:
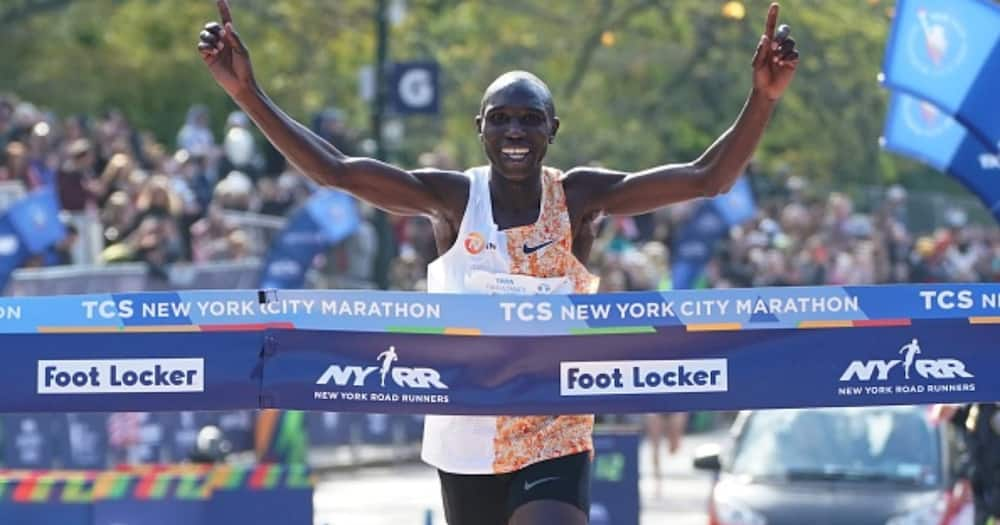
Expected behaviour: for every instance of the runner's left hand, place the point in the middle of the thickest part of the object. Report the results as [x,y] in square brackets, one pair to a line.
[776,58]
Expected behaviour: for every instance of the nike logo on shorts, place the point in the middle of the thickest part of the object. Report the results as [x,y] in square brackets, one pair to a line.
[532,249]
[530,485]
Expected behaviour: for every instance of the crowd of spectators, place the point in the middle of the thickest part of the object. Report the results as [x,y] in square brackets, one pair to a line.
[165,203]
[152,202]
[798,237]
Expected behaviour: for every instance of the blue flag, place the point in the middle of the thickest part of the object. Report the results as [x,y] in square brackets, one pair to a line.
[327,218]
[694,245]
[736,206]
[12,250]
[948,52]
[29,227]
[919,130]
[36,220]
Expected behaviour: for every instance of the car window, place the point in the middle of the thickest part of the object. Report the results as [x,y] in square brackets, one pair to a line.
[893,444]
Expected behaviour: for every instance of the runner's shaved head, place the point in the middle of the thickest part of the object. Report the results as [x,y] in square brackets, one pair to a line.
[520,80]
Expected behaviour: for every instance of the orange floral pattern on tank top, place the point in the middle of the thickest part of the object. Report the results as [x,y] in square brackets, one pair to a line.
[544,249]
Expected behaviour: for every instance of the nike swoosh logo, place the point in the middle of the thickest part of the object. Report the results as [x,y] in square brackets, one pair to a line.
[528,250]
[528,486]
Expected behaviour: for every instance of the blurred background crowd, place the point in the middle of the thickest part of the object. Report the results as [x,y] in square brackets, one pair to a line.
[220,193]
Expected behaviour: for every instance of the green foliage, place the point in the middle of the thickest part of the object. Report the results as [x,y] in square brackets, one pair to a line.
[637,82]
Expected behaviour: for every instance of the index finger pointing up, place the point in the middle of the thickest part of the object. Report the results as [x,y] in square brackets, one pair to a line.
[772,20]
[227,17]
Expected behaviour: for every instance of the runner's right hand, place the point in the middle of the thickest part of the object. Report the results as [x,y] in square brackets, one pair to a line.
[225,55]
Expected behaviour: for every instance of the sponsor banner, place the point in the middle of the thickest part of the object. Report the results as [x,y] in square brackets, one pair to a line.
[198,312]
[634,352]
[120,376]
[586,378]
[128,372]
[671,369]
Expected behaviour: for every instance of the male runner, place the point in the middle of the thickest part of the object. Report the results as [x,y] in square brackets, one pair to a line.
[388,357]
[909,350]
[514,226]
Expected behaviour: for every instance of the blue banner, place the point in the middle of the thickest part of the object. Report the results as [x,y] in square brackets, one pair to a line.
[41,500]
[151,512]
[672,369]
[84,442]
[157,500]
[26,443]
[233,316]
[413,353]
[615,479]
[35,218]
[12,250]
[130,372]
[189,494]
[694,246]
[284,496]
[948,52]
[236,426]
[327,218]
[919,130]
[327,429]
[29,227]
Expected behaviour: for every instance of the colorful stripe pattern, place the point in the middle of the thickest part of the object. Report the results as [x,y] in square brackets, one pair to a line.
[180,482]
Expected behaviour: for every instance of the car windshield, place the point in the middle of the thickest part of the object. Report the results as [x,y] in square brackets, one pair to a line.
[892,444]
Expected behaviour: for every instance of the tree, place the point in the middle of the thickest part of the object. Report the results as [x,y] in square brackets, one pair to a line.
[637,82]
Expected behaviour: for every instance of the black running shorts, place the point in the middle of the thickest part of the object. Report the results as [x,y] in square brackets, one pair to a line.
[491,499]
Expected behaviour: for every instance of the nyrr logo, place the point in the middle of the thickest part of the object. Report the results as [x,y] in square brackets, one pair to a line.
[404,377]
[937,44]
[926,368]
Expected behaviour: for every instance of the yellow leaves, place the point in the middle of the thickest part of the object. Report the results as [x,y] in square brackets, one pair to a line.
[734,10]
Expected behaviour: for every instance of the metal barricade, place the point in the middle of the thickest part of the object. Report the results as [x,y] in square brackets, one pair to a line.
[132,277]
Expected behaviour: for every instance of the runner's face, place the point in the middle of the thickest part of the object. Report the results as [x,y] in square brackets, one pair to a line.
[515,128]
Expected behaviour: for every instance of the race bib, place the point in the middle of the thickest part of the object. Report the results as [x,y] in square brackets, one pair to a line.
[481,281]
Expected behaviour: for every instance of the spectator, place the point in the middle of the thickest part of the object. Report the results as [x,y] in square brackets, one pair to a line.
[195,135]
[796,239]
[208,234]
[6,120]
[329,124]
[76,176]
[155,241]
[235,192]
[275,199]
[42,157]
[16,167]
[239,148]
[116,216]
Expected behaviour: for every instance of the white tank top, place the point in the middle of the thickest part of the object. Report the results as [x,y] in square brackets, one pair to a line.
[531,259]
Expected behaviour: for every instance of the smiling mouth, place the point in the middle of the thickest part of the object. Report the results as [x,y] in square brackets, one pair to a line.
[515,154]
